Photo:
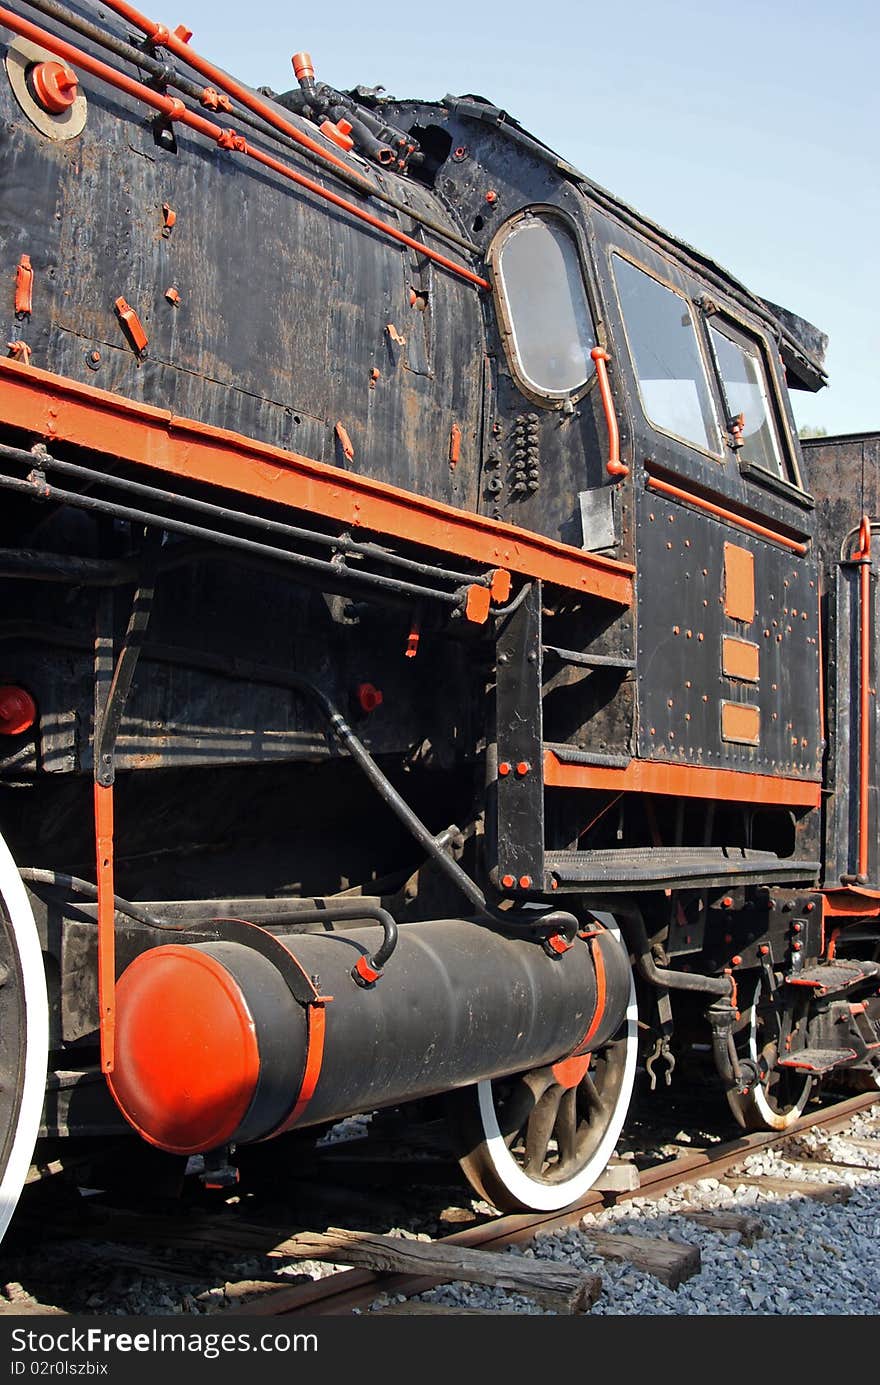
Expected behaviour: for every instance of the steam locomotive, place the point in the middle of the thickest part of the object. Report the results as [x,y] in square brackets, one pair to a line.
[431,664]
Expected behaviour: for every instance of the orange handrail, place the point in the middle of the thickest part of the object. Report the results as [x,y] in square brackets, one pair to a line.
[862,556]
[174,109]
[655,484]
[614,466]
[161,37]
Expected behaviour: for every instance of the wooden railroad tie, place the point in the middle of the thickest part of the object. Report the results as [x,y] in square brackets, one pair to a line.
[749,1228]
[553,1286]
[671,1262]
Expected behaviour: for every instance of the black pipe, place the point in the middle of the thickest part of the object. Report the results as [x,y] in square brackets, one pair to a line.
[33,565]
[355,909]
[337,572]
[167,75]
[633,928]
[60,880]
[342,543]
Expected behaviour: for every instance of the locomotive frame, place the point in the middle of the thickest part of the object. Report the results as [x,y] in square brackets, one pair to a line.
[455,653]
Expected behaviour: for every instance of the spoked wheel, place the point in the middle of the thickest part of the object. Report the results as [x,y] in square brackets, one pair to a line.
[538,1141]
[24,1035]
[778,1098]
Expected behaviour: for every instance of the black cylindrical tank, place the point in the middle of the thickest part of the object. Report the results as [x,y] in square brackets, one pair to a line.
[213,1046]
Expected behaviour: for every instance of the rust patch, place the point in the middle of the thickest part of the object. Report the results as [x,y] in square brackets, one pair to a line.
[739,659]
[739,583]
[740,722]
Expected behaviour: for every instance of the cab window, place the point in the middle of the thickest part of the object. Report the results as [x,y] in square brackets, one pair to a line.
[747,399]
[546,312]
[673,383]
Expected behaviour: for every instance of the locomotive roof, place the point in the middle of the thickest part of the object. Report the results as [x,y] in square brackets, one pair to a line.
[802,345]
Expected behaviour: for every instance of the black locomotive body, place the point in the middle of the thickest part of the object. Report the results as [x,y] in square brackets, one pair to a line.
[422,648]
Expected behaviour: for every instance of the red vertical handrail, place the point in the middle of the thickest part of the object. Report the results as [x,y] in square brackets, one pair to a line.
[863,557]
[106,924]
[614,466]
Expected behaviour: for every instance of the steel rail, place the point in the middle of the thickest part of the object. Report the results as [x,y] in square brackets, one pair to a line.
[339,1293]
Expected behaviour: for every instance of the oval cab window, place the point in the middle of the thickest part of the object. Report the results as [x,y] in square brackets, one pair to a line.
[545,313]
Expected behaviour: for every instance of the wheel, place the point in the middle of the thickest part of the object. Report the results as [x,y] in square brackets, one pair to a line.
[539,1140]
[24,1035]
[778,1098]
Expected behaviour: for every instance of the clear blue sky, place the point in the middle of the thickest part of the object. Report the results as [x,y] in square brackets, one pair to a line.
[750,129]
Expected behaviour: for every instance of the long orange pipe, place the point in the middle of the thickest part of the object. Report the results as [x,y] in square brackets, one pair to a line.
[161,37]
[863,556]
[173,109]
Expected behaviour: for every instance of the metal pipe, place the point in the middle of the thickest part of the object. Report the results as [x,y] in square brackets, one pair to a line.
[337,572]
[32,875]
[160,37]
[174,110]
[340,543]
[171,77]
[863,558]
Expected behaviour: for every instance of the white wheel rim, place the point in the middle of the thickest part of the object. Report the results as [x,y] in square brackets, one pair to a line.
[775,1120]
[550,1197]
[36,1037]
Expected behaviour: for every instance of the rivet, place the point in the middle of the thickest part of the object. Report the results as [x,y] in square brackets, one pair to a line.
[504,769]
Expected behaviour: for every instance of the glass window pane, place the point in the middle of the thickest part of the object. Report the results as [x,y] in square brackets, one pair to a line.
[745,389]
[539,274]
[666,355]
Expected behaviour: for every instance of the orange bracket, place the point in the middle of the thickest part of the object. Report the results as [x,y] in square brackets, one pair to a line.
[614,466]
[133,326]
[345,442]
[106,923]
[454,446]
[24,287]
[20,351]
[863,557]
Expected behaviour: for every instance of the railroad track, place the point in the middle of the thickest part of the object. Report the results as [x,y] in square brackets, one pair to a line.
[189,1247]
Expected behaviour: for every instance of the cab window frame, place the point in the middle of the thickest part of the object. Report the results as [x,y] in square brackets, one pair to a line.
[553,400]
[738,330]
[715,398]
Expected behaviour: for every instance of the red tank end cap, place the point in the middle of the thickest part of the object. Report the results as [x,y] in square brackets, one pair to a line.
[18,711]
[186,1058]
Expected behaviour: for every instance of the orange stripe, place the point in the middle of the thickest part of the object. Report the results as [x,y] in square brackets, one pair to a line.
[739,521]
[317,1021]
[106,923]
[687,781]
[599,964]
[65,410]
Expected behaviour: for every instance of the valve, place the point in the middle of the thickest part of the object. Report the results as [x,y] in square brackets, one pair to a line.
[55,86]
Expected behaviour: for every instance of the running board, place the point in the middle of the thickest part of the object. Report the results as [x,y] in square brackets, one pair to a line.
[653,868]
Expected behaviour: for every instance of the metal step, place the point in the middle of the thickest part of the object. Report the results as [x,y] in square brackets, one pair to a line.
[651,868]
[817,1060]
[835,976]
